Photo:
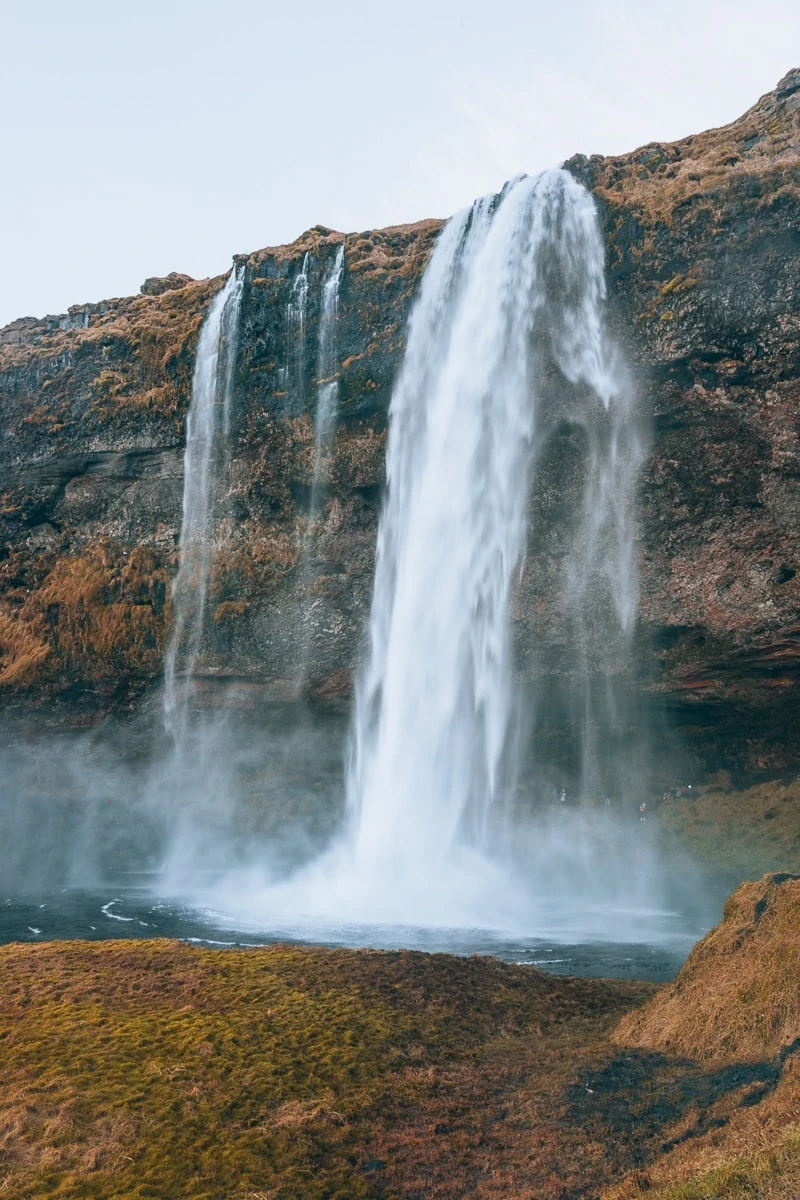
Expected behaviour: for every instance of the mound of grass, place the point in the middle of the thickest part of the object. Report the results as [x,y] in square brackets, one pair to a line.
[157,1070]
[738,994]
[735,1002]
[772,1174]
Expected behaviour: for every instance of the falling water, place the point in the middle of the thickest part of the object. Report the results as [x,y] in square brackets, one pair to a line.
[296,311]
[601,597]
[513,285]
[324,430]
[207,428]
[327,383]
[505,344]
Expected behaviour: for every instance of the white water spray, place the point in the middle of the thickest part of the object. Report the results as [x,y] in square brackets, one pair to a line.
[205,458]
[433,726]
[296,312]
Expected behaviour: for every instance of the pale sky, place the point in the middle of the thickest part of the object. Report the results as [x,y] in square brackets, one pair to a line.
[141,137]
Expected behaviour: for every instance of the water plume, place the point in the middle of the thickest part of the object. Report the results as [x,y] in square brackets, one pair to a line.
[324,433]
[511,285]
[205,461]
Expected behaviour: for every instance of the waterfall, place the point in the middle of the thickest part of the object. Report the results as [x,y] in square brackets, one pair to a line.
[296,311]
[600,602]
[327,383]
[205,458]
[514,287]
[324,430]
[506,349]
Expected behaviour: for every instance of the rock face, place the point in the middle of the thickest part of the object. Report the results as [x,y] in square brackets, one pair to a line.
[703,244]
[703,258]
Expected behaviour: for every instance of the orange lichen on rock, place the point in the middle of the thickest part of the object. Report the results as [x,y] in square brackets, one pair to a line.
[92,615]
[23,649]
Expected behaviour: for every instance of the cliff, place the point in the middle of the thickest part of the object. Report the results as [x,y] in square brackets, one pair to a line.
[703,251]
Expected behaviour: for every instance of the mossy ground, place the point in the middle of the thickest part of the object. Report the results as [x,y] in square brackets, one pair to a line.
[158,1070]
[736,833]
[155,1069]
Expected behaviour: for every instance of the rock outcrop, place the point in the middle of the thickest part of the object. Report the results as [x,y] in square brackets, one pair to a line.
[703,256]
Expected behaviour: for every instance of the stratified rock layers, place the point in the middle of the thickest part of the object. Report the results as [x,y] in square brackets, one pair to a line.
[703,250]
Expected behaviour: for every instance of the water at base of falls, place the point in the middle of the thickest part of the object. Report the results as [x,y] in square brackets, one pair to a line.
[131,911]
[84,857]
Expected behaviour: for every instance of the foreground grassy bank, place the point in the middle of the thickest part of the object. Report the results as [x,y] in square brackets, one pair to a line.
[153,1069]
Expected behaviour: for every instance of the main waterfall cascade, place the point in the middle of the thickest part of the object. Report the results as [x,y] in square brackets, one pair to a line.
[506,345]
[205,461]
[513,285]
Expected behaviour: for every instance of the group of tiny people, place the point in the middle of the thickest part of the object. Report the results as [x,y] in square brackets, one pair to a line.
[559,797]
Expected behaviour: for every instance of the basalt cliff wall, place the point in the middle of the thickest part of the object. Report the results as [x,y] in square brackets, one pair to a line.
[703,264]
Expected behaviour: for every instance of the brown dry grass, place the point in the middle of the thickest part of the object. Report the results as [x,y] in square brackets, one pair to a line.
[743,832]
[738,994]
[153,1069]
[23,650]
[144,347]
[90,616]
[398,249]
[752,1157]
[663,181]
[736,1001]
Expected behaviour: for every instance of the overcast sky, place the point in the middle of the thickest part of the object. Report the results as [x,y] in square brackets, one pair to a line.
[144,137]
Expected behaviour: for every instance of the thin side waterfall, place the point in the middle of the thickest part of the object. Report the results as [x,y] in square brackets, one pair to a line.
[324,431]
[601,597]
[327,381]
[205,458]
[296,312]
[513,286]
